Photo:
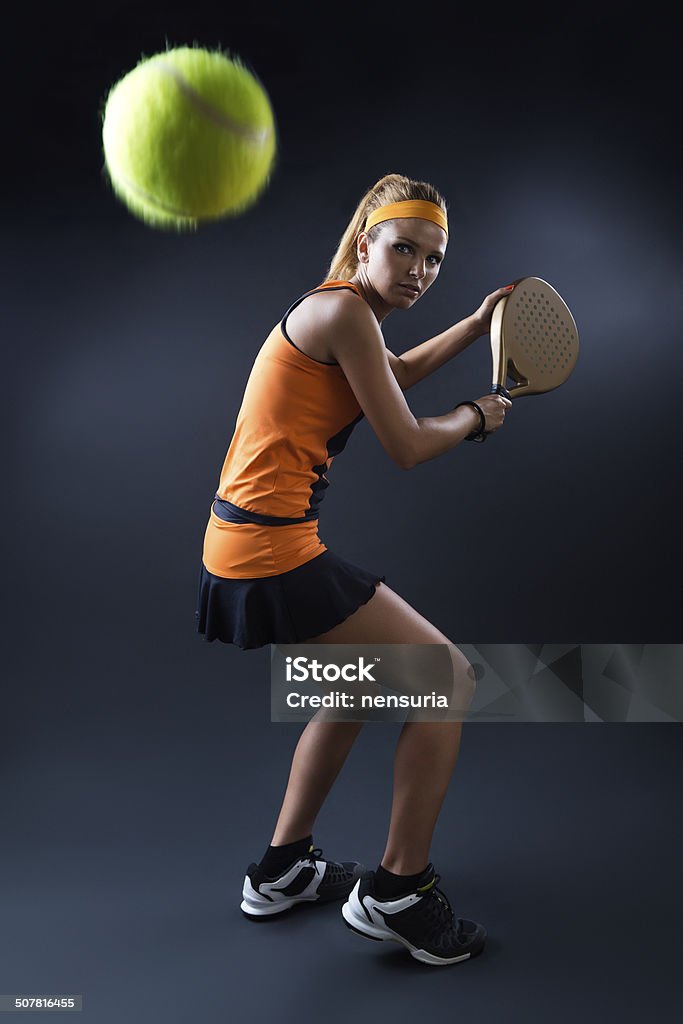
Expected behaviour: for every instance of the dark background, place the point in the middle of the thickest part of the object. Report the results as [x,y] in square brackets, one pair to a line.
[141,771]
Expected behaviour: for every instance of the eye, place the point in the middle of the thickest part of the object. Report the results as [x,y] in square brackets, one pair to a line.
[436,260]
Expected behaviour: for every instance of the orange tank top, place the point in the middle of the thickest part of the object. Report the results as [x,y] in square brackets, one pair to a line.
[296,416]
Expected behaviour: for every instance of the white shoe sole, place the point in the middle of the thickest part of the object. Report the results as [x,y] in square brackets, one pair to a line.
[268,909]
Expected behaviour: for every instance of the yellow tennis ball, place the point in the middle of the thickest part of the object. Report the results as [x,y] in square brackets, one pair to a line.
[189,136]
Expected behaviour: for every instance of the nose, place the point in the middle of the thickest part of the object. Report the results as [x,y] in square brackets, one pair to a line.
[418,268]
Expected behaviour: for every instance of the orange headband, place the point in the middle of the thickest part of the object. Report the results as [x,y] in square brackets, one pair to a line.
[408,208]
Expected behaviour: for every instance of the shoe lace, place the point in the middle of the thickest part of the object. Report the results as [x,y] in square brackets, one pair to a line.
[445,910]
[333,873]
[316,854]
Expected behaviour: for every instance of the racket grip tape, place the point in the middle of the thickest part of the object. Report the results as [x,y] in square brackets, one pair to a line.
[498,389]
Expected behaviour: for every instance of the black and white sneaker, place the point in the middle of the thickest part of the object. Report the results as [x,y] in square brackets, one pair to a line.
[422,921]
[309,879]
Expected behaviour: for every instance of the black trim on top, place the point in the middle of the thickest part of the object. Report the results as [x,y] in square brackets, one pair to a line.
[234,514]
[313,291]
[333,446]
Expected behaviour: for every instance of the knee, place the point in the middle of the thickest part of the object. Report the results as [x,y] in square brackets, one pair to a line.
[464,677]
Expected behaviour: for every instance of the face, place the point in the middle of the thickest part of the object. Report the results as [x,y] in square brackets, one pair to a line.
[408,251]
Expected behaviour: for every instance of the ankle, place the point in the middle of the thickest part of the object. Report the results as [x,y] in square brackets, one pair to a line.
[286,838]
[402,865]
[389,885]
[277,858]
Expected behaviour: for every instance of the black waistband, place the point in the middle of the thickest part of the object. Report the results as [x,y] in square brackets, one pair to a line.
[234,514]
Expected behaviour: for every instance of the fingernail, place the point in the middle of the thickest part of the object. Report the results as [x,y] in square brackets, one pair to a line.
[509,287]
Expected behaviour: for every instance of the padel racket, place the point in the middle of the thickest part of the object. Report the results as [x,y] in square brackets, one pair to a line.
[534,340]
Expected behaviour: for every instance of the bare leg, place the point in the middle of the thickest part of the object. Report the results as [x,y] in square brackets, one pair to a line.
[426,753]
[319,756]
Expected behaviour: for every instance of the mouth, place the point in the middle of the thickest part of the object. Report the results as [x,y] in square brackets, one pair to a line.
[412,288]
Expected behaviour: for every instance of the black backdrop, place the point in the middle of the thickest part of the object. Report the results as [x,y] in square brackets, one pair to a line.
[551,136]
[551,132]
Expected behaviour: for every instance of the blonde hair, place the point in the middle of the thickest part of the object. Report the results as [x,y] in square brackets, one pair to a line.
[392,188]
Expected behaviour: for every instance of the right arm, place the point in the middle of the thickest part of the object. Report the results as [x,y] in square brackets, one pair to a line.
[355,341]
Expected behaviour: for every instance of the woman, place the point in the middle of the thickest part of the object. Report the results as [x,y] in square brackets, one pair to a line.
[266,577]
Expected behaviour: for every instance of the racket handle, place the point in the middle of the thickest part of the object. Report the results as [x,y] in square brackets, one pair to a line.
[495,389]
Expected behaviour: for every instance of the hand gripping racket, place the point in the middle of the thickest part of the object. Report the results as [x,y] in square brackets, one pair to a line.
[534,341]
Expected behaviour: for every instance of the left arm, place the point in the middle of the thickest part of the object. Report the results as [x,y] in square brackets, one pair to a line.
[417,363]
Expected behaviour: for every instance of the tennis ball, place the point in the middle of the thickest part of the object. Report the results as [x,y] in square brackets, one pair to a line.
[188,136]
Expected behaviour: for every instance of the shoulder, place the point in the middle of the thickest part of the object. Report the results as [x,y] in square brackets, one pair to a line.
[339,309]
[338,300]
[321,323]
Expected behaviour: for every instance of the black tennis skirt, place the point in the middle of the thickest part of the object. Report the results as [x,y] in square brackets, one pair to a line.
[289,608]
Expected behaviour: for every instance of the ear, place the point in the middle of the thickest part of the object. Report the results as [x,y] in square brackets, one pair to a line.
[362,243]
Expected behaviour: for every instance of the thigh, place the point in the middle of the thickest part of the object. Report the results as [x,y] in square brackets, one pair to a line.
[385,619]
[388,619]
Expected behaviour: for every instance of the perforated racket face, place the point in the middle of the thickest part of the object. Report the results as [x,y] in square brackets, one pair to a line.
[536,341]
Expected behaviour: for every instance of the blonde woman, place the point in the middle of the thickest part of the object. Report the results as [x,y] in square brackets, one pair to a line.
[267,577]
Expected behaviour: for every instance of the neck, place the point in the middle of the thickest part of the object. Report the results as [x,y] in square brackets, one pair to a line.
[376,303]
